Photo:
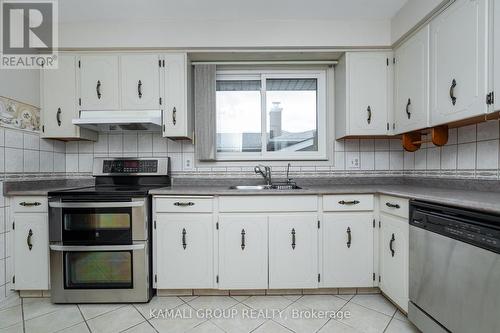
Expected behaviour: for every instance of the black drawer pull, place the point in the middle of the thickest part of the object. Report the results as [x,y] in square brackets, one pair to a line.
[30,204]
[243,239]
[391,205]
[349,237]
[184,244]
[184,204]
[28,239]
[391,242]
[352,202]
[293,239]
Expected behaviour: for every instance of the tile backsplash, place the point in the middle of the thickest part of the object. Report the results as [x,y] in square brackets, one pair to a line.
[23,155]
[471,152]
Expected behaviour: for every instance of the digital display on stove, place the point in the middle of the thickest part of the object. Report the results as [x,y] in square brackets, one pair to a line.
[130,166]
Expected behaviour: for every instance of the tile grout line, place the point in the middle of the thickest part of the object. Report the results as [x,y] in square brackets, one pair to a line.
[84,319]
[390,321]
[22,315]
[147,320]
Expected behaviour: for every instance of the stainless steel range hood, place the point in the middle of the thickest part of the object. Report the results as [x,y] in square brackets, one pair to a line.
[120,121]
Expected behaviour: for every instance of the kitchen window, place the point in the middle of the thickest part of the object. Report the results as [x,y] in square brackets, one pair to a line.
[271,115]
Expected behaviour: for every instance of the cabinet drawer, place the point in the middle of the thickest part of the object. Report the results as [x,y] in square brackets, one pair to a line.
[29,204]
[347,202]
[184,204]
[268,203]
[394,205]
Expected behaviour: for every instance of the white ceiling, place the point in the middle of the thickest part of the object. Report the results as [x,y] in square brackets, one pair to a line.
[121,10]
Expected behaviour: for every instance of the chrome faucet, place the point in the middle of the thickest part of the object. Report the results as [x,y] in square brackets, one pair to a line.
[266,174]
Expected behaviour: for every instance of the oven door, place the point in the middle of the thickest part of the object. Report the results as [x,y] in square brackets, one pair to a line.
[98,223]
[110,273]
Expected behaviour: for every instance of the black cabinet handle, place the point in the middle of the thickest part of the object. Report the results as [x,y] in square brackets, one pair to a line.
[28,239]
[243,239]
[352,202]
[390,245]
[349,237]
[408,113]
[58,116]
[184,244]
[369,110]
[174,116]
[293,239]
[452,92]
[139,89]
[183,204]
[391,205]
[98,89]
[30,204]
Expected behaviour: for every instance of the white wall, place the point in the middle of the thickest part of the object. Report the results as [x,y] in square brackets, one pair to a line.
[21,84]
[411,14]
[228,33]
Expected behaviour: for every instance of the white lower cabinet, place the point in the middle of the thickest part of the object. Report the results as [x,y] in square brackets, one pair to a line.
[394,268]
[31,251]
[293,251]
[243,251]
[348,250]
[184,251]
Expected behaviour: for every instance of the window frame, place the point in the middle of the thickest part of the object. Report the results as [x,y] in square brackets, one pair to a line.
[321,115]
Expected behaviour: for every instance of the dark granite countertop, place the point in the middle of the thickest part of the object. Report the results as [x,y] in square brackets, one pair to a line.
[471,194]
[43,186]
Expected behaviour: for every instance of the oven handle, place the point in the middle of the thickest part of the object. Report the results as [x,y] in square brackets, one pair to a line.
[92,248]
[96,204]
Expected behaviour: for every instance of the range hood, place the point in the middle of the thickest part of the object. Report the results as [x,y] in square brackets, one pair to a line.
[120,121]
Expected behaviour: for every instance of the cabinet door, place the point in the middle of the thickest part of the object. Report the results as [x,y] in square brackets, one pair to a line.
[59,101]
[184,251]
[99,82]
[243,252]
[412,83]
[293,251]
[140,82]
[348,250]
[458,62]
[496,54]
[394,258]
[176,118]
[368,93]
[31,251]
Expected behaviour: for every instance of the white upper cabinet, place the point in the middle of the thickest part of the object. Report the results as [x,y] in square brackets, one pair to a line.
[184,251]
[458,60]
[243,251]
[60,102]
[293,251]
[363,91]
[348,250]
[177,117]
[496,54]
[411,83]
[140,82]
[99,84]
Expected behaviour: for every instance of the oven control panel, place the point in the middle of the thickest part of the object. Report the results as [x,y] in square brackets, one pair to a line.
[125,166]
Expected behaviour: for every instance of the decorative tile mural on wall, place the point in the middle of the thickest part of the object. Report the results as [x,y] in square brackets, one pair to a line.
[19,115]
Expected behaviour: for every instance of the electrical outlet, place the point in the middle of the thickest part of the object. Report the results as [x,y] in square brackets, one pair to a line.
[188,162]
[353,161]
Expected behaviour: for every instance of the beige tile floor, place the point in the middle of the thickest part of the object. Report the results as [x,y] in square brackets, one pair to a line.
[238,314]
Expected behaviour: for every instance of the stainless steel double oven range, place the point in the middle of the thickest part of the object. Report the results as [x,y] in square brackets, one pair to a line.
[100,236]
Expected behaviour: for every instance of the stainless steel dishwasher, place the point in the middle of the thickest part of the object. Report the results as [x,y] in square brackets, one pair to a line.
[454,269]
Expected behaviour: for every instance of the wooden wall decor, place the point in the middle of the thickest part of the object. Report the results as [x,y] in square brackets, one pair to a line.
[413,141]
